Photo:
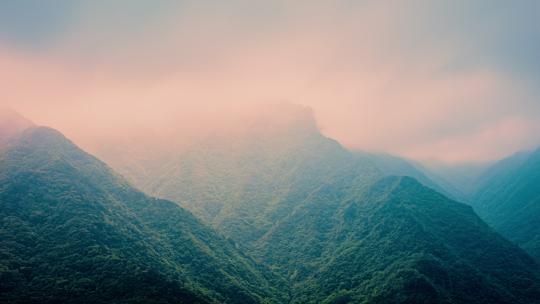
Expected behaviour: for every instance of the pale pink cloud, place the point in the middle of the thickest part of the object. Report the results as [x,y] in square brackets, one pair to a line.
[496,140]
[372,83]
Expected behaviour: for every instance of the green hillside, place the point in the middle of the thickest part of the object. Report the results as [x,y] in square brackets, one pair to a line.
[72,231]
[508,197]
[337,227]
[397,242]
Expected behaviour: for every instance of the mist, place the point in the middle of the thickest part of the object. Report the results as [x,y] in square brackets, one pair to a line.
[265,152]
[433,82]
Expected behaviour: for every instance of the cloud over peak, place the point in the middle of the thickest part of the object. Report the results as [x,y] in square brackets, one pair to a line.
[452,81]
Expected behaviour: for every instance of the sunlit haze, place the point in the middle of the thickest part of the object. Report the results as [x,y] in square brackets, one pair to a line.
[452,81]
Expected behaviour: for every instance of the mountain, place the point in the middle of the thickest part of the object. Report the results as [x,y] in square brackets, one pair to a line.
[335,222]
[506,166]
[393,165]
[507,196]
[461,177]
[73,231]
[11,123]
[241,183]
[396,242]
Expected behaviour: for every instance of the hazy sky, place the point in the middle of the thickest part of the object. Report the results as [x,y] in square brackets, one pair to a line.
[452,81]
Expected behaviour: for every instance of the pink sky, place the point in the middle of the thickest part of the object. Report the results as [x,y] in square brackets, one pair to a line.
[384,76]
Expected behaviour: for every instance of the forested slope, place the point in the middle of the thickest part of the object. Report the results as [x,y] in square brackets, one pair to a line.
[73,231]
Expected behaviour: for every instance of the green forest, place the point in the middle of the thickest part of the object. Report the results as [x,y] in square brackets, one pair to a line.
[302,220]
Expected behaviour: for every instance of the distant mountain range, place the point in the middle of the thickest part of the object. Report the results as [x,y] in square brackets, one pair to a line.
[507,196]
[304,221]
[338,224]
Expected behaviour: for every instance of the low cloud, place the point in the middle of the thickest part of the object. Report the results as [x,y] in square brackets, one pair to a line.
[423,80]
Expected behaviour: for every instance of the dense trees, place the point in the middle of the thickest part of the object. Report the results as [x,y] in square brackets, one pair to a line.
[331,222]
[507,196]
[73,231]
[308,222]
[398,242]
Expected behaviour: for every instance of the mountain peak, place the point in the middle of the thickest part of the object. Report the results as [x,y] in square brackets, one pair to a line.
[94,231]
[12,123]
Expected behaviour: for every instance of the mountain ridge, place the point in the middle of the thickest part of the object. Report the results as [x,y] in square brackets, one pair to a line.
[310,209]
[508,197]
[76,212]
[11,123]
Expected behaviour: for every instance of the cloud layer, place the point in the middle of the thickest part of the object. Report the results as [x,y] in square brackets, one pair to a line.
[450,81]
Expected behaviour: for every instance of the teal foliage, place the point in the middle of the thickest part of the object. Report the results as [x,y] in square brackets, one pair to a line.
[507,196]
[72,231]
[399,242]
[307,220]
[338,229]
